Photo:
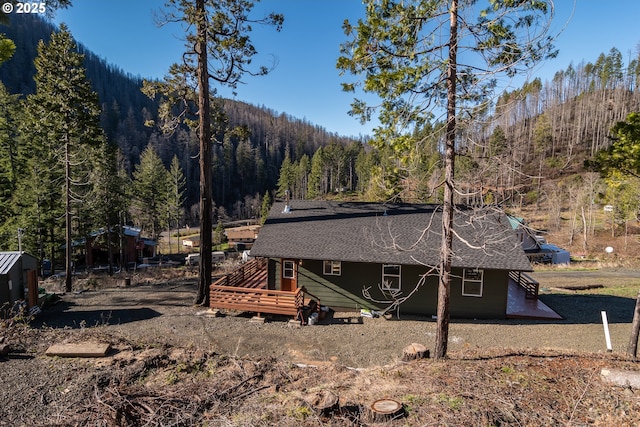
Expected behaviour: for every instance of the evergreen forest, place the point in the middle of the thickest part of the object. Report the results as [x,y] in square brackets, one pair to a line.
[246,164]
[535,144]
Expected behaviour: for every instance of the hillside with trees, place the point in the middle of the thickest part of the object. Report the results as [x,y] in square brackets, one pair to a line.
[246,165]
[527,150]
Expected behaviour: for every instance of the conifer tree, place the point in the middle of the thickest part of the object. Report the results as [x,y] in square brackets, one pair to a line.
[175,199]
[218,234]
[425,58]
[264,209]
[287,176]
[9,119]
[150,189]
[219,48]
[108,200]
[315,175]
[61,123]
[622,155]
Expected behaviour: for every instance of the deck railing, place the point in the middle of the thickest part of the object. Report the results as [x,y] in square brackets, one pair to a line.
[256,300]
[243,273]
[528,283]
[239,291]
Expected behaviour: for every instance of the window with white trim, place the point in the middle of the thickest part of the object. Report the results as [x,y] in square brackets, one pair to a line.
[391,277]
[332,268]
[289,270]
[472,282]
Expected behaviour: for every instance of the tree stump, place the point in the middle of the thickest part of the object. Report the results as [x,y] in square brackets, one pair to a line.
[383,410]
[324,403]
[414,351]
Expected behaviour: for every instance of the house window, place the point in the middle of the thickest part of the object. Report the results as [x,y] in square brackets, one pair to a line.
[332,268]
[288,270]
[391,277]
[472,282]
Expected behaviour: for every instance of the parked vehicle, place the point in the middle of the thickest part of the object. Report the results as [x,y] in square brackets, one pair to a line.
[192,259]
[217,257]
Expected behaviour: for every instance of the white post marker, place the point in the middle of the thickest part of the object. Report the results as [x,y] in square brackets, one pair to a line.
[605,324]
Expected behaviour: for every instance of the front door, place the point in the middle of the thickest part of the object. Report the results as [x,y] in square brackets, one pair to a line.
[289,275]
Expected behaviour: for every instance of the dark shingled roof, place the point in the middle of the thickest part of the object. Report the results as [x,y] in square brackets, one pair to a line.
[385,233]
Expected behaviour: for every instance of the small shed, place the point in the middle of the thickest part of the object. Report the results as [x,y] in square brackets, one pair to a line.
[191,242]
[18,272]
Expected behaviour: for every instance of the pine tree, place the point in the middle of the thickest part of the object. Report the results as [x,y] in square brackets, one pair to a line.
[150,189]
[218,233]
[9,119]
[219,48]
[108,200]
[175,199]
[286,177]
[410,54]
[264,209]
[61,122]
[314,184]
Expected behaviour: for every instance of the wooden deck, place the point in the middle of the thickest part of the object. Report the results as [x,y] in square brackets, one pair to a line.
[245,289]
[521,306]
[259,301]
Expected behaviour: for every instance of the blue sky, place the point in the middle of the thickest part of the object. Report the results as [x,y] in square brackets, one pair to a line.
[305,84]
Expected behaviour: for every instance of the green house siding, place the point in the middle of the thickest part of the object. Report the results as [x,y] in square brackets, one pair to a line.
[492,304]
[424,301]
[338,292]
[344,291]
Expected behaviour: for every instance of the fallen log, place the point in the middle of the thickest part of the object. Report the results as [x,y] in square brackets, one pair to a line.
[621,378]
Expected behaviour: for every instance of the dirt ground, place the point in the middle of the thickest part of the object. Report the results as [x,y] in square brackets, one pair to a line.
[173,364]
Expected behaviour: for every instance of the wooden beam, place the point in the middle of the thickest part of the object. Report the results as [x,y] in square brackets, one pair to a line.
[85,349]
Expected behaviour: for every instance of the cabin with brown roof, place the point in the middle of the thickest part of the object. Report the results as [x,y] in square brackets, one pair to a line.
[244,235]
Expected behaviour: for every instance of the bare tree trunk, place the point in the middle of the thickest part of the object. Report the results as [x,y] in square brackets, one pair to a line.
[632,348]
[444,285]
[204,131]
[585,232]
[109,246]
[68,284]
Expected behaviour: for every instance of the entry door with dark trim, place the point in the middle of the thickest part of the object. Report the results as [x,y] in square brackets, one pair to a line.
[289,275]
